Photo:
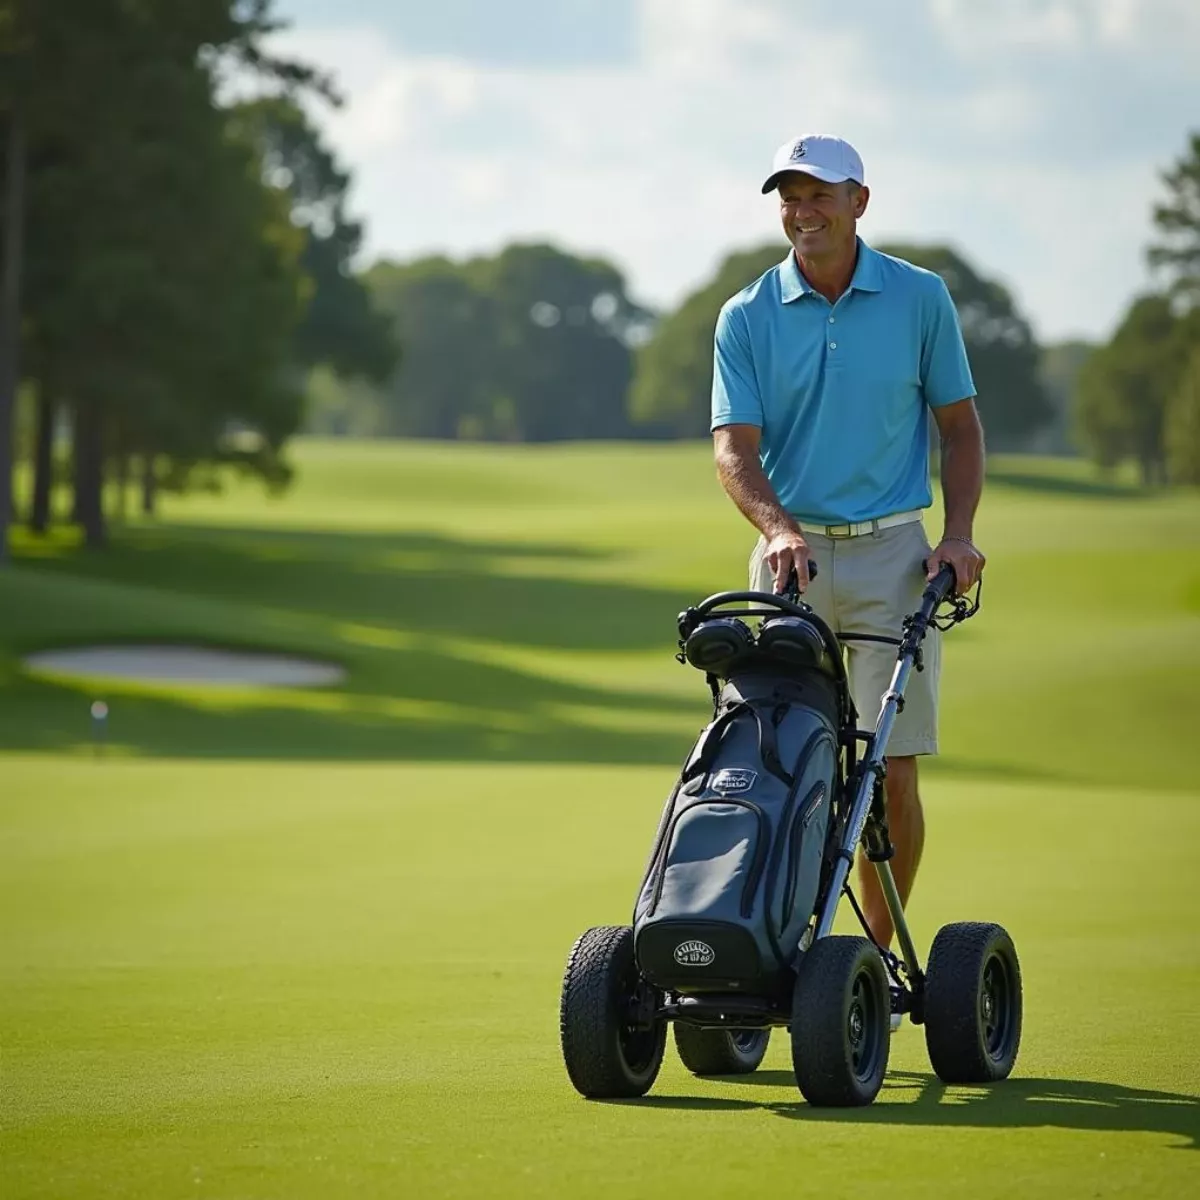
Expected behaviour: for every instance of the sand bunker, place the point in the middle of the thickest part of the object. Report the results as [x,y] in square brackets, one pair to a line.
[192,665]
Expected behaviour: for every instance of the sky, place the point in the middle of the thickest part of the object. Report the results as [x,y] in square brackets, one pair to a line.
[1028,134]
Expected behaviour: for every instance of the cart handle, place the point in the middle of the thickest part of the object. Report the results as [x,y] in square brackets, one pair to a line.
[788,601]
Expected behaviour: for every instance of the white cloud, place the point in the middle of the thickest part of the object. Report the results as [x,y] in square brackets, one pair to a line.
[657,163]
[980,29]
[975,28]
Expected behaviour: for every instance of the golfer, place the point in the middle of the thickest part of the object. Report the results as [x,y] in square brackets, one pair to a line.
[825,371]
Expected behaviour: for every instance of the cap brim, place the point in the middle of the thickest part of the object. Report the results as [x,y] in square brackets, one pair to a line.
[822,173]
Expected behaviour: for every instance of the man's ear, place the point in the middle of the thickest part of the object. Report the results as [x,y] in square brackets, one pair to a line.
[860,200]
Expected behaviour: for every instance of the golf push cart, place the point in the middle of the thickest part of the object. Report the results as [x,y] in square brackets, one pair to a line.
[731,930]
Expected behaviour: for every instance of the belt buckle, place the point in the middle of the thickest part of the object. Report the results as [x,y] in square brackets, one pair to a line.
[832,531]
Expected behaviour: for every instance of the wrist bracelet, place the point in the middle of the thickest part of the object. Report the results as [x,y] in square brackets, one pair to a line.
[953,538]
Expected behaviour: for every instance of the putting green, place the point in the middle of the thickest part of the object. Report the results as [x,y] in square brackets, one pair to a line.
[309,943]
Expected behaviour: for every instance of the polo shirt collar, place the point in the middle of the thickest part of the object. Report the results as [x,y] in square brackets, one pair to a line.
[866,278]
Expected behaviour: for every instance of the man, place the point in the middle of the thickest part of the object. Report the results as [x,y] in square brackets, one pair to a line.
[825,370]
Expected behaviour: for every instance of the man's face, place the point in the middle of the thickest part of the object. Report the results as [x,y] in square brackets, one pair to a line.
[819,218]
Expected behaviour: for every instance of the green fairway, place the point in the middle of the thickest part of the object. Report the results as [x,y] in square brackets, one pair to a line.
[309,944]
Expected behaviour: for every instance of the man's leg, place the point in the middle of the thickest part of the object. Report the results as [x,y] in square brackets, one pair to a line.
[880,583]
[906,823]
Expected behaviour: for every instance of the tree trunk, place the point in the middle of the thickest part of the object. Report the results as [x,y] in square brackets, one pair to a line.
[89,473]
[43,464]
[1153,471]
[119,466]
[10,312]
[149,485]
[122,484]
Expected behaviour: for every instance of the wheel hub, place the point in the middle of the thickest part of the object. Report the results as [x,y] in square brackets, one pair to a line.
[856,1025]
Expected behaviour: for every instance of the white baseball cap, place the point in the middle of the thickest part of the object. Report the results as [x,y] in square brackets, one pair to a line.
[829,158]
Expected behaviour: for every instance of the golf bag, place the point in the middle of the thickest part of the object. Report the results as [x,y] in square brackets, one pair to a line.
[739,859]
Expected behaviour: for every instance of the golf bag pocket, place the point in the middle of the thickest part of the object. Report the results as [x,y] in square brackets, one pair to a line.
[714,859]
[802,860]
[737,865]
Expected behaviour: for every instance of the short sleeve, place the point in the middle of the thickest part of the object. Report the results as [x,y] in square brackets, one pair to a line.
[735,395]
[945,370]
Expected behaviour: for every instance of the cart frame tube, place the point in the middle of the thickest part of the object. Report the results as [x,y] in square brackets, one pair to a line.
[873,769]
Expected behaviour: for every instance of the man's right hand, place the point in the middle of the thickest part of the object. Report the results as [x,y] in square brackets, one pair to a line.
[785,551]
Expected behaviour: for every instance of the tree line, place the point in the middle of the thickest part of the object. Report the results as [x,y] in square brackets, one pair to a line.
[179,292]
[176,254]
[536,344]
[1138,396]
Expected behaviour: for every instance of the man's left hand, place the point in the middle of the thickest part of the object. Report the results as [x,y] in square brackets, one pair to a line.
[963,556]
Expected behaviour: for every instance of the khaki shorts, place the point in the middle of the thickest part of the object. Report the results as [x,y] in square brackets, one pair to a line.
[869,584]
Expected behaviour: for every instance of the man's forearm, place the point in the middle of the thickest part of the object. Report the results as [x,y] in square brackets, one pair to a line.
[746,484]
[962,479]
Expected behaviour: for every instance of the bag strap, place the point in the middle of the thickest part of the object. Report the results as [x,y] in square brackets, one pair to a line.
[711,742]
[768,742]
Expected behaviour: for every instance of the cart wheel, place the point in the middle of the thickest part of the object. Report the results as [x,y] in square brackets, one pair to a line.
[720,1051]
[973,1003]
[606,1053]
[841,1022]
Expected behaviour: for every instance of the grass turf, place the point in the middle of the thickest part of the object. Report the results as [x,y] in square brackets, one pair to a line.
[310,945]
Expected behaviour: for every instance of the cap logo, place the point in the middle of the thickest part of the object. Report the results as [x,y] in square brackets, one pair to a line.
[799,150]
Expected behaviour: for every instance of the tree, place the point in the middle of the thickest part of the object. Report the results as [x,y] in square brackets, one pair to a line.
[163,286]
[672,385]
[532,345]
[341,328]
[444,322]
[1124,387]
[1177,255]
[1001,348]
[561,359]
[12,219]
[1181,434]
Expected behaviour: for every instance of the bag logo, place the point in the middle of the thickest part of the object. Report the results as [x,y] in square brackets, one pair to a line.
[799,150]
[733,779]
[694,954]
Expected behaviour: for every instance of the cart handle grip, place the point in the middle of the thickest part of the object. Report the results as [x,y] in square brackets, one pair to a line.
[942,585]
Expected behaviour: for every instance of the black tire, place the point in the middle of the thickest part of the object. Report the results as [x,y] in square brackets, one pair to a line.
[721,1051]
[841,1022]
[973,1004]
[606,1056]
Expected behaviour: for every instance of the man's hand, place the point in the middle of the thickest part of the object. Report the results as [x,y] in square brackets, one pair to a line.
[785,551]
[742,477]
[962,555]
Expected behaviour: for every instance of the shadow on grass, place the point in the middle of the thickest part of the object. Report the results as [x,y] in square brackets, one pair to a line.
[915,1098]
[1065,485]
[455,650]
[520,594]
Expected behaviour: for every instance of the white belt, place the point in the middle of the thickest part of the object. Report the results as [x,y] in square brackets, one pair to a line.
[861,527]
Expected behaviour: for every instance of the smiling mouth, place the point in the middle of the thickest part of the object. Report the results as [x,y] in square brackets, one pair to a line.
[809,228]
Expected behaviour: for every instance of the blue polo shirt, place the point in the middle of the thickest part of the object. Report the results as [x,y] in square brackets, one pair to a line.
[841,391]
